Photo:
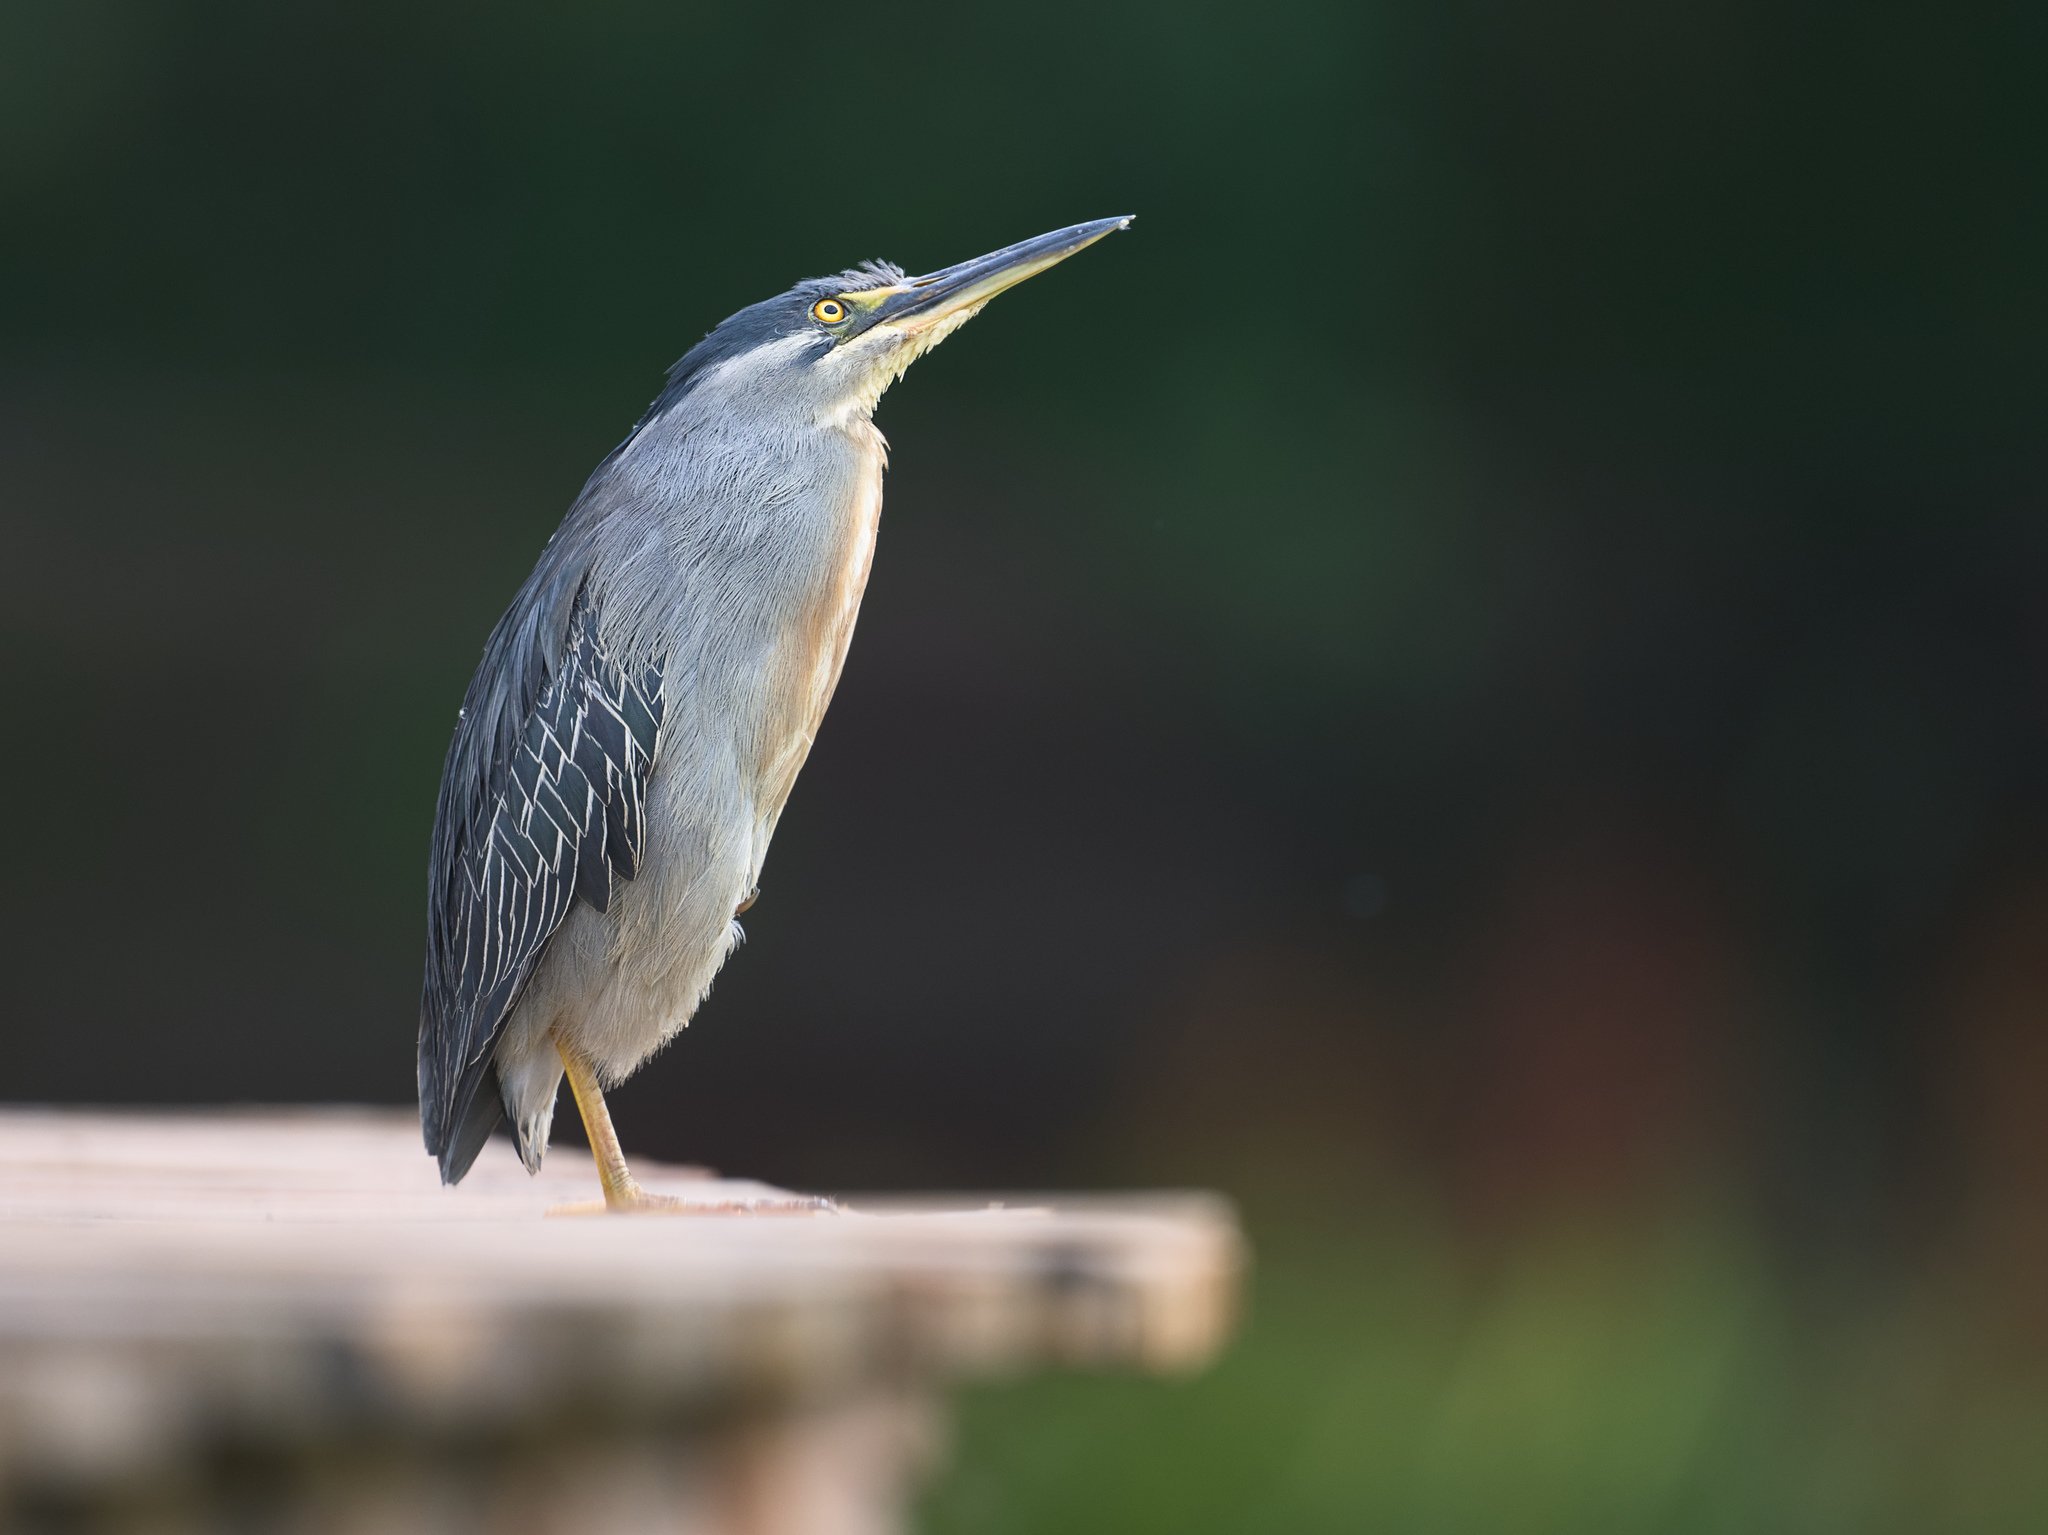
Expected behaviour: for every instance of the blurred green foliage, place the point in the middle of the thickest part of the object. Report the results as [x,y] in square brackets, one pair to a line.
[1592,1379]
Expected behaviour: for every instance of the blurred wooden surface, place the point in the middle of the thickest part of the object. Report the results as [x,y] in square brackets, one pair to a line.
[280,1320]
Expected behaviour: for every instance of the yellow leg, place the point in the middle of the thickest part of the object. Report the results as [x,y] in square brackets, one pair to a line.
[622,1193]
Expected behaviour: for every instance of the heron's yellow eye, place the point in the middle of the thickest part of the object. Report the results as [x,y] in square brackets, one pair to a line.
[829,310]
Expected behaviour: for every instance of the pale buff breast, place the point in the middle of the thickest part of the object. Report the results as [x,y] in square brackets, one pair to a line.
[817,645]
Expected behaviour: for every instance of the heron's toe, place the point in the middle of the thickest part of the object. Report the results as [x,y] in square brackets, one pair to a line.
[638,1201]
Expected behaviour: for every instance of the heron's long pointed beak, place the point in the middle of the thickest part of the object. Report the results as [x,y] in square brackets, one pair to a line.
[925,301]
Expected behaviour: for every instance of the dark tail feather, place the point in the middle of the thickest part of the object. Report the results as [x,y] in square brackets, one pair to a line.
[474,1122]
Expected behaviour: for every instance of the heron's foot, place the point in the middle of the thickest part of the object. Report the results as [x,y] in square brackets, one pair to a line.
[634,1200]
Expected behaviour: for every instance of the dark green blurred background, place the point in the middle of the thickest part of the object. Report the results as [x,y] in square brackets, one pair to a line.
[1475,682]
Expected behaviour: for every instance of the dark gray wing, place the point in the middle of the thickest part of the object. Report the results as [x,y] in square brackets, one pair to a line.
[543,802]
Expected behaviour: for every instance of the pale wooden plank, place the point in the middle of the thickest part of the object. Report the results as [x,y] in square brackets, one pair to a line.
[280,1278]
